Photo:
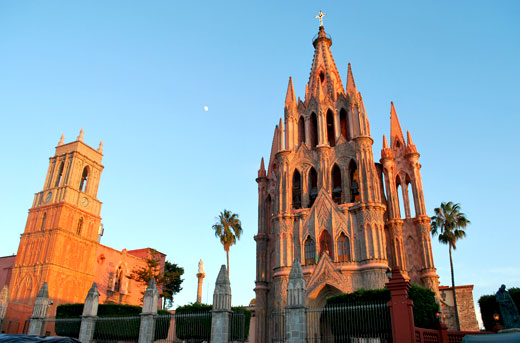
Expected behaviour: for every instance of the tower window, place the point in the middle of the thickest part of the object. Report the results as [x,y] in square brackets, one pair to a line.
[60,174]
[310,251]
[313,186]
[331,137]
[314,130]
[84,179]
[343,248]
[325,243]
[117,283]
[42,227]
[343,123]
[337,190]
[296,190]
[301,130]
[354,182]
[80,226]
[322,77]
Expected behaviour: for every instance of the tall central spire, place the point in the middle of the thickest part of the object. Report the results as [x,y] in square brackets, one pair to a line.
[324,73]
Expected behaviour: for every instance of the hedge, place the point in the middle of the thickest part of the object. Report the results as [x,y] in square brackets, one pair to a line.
[424,305]
[199,316]
[112,330]
[489,306]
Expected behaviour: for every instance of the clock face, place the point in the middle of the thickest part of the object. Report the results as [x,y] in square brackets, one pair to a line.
[48,197]
[84,202]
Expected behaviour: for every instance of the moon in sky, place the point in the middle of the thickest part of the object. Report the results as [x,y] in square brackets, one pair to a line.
[206,108]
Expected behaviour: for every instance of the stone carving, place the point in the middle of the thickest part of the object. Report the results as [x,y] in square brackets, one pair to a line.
[508,308]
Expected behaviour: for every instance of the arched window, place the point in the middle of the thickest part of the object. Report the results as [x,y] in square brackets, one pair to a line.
[313,186]
[80,226]
[322,76]
[42,227]
[411,197]
[310,251]
[354,181]
[325,243]
[84,178]
[60,174]
[343,248]
[268,213]
[117,281]
[301,130]
[337,190]
[400,197]
[331,136]
[343,123]
[314,130]
[296,190]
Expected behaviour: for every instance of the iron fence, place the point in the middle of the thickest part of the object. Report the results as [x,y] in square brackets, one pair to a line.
[192,327]
[116,329]
[278,326]
[238,327]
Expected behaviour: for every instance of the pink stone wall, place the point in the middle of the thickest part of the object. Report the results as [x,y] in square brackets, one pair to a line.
[6,264]
[465,304]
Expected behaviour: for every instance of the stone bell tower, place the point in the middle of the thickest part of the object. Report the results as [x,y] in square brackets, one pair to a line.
[62,231]
[324,201]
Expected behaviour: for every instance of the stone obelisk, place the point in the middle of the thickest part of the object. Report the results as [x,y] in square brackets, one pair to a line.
[200,277]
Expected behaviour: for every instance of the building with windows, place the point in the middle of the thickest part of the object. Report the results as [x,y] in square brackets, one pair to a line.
[326,203]
[61,242]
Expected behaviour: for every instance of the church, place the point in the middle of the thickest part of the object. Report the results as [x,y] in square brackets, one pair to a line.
[61,245]
[325,202]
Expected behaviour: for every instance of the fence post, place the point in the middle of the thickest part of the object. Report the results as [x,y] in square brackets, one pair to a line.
[147,327]
[89,316]
[401,309]
[39,313]
[295,318]
[221,312]
[4,300]
[443,331]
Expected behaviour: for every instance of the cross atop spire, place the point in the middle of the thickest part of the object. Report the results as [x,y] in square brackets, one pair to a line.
[320,17]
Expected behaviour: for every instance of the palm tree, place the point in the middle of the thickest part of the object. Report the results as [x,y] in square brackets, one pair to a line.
[449,223]
[228,228]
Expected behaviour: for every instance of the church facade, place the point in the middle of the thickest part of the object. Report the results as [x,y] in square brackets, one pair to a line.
[326,203]
[61,242]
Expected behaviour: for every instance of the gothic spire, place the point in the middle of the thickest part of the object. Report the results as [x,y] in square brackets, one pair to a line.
[62,139]
[261,171]
[396,134]
[290,98]
[324,68]
[351,85]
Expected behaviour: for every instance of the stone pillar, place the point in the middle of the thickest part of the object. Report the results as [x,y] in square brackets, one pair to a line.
[295,318]
[401,309]
[221,313]
[39,311]
[150,300]
[4,300]
[89,316]
[200,276]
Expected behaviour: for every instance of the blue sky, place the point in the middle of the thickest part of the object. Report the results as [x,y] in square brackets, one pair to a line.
[138,75]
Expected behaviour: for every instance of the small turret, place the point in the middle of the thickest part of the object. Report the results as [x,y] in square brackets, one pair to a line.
[261,171]
[386,152]
[410,147]
[62,139]
[351,85]
[396,134]
[80,137]
[100,147]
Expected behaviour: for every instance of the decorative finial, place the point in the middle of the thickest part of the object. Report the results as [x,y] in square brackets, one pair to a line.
[80,137]
[320,16]
[62,140]
[100,148]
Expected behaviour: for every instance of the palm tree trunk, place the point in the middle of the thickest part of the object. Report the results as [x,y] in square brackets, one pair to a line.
[227,256]
[454,293]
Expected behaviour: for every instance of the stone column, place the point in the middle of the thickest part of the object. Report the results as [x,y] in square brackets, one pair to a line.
[401,309]
[221,313]
[4,299]
[200,276]
[147,328]
[89,316]
[39,311]
[295,318]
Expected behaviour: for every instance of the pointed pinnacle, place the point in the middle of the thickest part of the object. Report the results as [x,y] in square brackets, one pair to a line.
[100,148]
[351,85]
[80,137]
[385,143]
[290,98]
[409,138]
[395,127]
[262,166]
[62,139]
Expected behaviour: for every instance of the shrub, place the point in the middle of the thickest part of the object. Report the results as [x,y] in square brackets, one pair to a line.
[115,330]
[489,306]
[424,305]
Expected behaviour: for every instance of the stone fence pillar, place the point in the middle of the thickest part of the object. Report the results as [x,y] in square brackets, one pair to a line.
[401,309]
[40,308]
[295,316]
[221,312]
[89,316]
[147,327]
[4,300]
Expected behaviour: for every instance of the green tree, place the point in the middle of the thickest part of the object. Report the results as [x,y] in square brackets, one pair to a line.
[169,281]
[449,223]
[228,229]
